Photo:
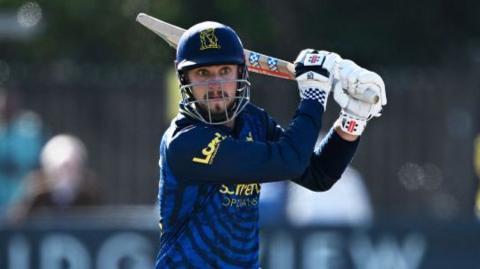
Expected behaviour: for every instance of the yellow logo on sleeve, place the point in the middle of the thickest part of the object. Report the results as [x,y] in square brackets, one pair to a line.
[210,151]
[208,39]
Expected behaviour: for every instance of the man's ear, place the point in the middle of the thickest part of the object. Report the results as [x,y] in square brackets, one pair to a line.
[181,76]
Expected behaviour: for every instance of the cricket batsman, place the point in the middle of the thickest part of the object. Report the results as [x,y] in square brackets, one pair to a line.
[220,147]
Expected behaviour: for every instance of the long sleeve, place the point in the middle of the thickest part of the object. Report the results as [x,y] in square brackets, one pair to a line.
[208,154]
[328,162]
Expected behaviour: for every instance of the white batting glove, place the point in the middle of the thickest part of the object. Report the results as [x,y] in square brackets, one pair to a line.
[353,83]
[314,74]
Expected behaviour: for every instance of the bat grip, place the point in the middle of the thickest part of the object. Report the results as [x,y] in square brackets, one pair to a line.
[369,96]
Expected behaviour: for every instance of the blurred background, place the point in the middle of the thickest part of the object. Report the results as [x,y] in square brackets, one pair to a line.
[86,93]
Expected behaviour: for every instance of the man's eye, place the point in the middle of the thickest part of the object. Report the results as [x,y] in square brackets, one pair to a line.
[226,71]
[202,73]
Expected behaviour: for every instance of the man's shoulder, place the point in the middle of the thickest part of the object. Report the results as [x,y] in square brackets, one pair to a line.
[252,110]
[184,132]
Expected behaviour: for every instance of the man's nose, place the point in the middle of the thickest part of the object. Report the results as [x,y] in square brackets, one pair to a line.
[214,85]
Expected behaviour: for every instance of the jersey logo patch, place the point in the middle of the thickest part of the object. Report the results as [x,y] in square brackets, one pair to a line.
[208,39]
[249,137]
[210,151]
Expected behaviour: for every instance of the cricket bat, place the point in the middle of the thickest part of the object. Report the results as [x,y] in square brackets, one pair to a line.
[256,62]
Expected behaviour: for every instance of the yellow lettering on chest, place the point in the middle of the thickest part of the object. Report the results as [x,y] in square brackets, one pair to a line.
[247,189]
[225,190]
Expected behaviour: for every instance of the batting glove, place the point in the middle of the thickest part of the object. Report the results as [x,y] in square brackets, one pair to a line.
[353,83]
[314,74]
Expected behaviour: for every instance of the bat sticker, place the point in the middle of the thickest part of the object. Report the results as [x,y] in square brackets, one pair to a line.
[272,63]
[253,59]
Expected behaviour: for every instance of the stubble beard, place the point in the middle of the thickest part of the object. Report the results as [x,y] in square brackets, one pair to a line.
[217,109]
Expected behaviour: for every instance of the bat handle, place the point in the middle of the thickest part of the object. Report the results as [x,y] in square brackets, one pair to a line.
[369,96]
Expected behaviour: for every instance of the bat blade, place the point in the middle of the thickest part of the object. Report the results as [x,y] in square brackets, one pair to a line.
[168,32]
[256,62]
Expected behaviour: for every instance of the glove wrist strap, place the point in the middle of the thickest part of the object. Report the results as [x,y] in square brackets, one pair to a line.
[316,94]
[351,124]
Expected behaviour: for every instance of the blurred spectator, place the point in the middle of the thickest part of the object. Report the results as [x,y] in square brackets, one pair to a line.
[62,183]
[273,201]
[476,165]
[21,138]
[346,203]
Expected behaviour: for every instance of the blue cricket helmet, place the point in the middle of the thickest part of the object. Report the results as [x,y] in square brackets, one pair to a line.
[209,43]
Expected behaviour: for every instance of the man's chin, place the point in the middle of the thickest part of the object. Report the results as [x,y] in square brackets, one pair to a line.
[217,111]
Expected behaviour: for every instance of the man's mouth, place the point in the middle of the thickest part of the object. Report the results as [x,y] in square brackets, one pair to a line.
[215,97]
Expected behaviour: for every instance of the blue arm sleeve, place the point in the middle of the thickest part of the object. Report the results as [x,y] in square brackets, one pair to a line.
[328,162]
[205,154]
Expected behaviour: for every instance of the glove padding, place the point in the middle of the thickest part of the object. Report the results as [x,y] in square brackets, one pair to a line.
[353,83]
[314,74]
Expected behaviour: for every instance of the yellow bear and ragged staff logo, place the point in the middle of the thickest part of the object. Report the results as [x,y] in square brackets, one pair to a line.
[208,39]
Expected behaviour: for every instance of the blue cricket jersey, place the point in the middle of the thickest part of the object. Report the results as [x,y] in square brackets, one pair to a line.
[210,179]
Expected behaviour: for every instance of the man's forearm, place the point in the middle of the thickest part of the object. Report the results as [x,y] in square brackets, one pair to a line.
[345,136]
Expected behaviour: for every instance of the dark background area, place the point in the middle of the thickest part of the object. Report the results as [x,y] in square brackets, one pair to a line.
[87,68]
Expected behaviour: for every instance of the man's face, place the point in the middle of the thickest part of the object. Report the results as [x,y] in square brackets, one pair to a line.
[214,86]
